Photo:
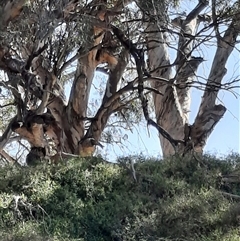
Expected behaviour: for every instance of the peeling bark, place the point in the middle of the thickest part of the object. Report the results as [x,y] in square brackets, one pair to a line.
[209,113]
[109,104]
[167,109]
[172,109]
[79,97]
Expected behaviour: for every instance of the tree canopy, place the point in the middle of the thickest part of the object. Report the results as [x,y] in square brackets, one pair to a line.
[46,45]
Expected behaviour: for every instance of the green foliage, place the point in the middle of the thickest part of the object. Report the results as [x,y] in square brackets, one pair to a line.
[92,200]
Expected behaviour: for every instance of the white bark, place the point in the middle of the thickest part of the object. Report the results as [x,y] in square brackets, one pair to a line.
[209,113]
[168,112]
[172,109]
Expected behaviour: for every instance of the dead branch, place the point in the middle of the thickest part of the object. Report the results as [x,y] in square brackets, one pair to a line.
[7,157]
[230,196]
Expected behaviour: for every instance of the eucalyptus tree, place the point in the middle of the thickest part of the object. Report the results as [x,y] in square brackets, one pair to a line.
[45,44]
[215,22]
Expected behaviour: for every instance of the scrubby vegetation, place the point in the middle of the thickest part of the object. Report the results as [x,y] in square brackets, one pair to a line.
[92,200]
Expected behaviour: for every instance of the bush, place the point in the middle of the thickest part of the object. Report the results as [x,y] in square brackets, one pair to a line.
[89,199]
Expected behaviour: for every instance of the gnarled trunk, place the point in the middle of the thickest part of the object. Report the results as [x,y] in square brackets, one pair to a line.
[54,126]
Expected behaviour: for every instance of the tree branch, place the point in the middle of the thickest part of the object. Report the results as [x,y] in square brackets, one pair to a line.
[187,65]
[139,60]
[8,157]
[110,102]
[7,134]
[11,10]
[197,10]
[209,113]
[46,94]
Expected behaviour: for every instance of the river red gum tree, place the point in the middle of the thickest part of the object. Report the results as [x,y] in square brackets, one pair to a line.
[41,41]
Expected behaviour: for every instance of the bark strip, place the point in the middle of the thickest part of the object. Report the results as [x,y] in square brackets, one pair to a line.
[209,113]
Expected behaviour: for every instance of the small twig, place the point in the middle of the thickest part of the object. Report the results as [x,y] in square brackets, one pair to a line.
[231,178]
[2,106]
[230,195]
[133,170]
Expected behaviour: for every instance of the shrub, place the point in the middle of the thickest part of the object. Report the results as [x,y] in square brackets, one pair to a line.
[89,199]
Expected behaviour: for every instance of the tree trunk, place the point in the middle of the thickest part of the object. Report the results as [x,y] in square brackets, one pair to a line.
[63,125]
[209,113]
[168,113]
[172,109]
